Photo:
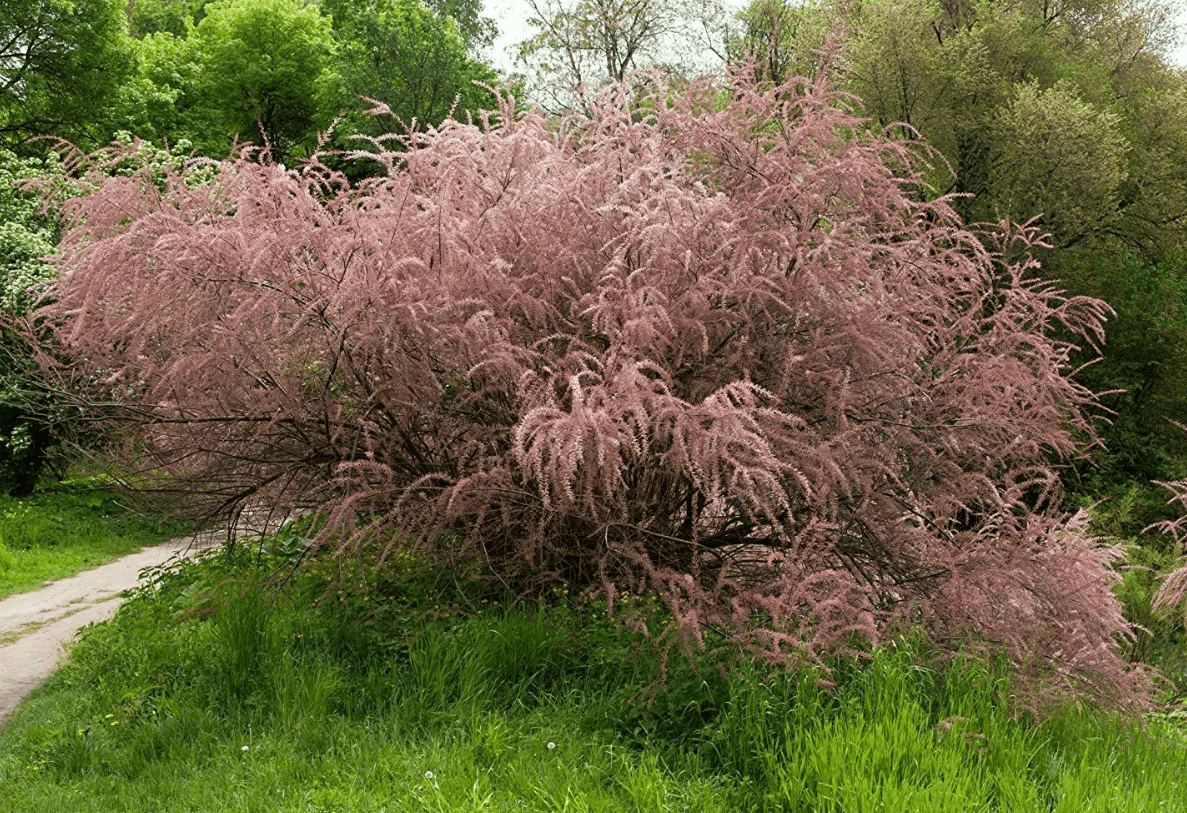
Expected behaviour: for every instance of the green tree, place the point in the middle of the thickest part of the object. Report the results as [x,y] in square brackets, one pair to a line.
[966,75]
[1059,158]
[61,64]
[26,234]
[783,39]
[400,53]
[590,42]
[478,32]
[168,16]
[266,72]
[163,101]
[35,418]
[1066,112]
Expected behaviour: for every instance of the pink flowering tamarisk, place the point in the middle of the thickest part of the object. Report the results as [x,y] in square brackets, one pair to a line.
[715,348]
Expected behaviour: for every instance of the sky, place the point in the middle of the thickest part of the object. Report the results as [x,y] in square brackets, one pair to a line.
[512,15]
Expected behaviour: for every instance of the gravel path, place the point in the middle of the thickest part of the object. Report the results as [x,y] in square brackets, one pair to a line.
[34,626]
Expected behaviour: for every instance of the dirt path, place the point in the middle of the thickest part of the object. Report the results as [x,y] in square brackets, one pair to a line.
[35,625]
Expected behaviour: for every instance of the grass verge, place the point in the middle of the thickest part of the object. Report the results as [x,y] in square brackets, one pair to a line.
[61,531]
[229,686]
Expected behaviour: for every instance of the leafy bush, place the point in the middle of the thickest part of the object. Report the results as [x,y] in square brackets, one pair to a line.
[1168,604]
[717,352]
[1143,370]
[27,236]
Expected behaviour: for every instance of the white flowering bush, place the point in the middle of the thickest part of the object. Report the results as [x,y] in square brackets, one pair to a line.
[27,235]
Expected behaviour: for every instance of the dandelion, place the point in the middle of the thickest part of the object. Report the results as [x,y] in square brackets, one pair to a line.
[430,775]
[245,748]
[551,745]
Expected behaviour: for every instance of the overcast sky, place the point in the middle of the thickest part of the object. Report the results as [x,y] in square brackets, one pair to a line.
[512,15]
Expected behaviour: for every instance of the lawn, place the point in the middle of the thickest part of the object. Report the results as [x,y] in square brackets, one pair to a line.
[61,531]
[233,684]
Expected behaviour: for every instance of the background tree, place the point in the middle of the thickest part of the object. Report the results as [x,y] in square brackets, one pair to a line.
[28,236]
[147,17]
[1147,360]
[477,31]
[164,102]
[61,63]
[957,73]
[1068,113]
[267,70]
[37,428]
[593,41]
[399,53]
[723,352]
[1059,159]
[775,35]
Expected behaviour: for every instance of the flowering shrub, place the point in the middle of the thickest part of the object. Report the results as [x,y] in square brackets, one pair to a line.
[27,234]
[715,349]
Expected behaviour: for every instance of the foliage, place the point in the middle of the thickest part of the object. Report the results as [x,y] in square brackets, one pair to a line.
[163,102]
[400,54]
[35,421]
[148,17]
[1124,515]
[28,236]
[782,39]
[1068,113]
[1143,372]
[1172,592]
[63,62]
[967,76]
[1162,631]
[266,67]
[213,74]
[1059,159]
[213,691]
[720,354]
[477,31]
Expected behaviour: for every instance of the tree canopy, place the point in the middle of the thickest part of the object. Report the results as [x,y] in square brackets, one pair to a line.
[61,63]
[1065,115]
[590,42]
[213,74]
[266,69]
[402,55]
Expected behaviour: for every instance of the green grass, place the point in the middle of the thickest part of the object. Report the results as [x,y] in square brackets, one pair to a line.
[218,690]
[59,532]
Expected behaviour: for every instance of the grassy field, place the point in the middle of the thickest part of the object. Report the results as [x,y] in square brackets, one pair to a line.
[59,532]
[229,686]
